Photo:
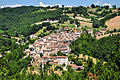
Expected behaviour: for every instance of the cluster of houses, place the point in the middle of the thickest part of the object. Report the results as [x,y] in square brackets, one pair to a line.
[59,60]
[101,32]
[50,45]
[55,42]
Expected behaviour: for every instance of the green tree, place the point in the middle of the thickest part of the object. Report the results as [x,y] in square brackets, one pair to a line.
[71,21]
[114,6]
[93,6]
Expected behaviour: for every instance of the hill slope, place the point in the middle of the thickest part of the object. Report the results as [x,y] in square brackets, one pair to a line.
[113,23]
[18,20]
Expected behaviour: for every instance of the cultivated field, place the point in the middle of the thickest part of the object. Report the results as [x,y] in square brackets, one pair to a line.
[52,9]
[70,15]
[92,15]
[81,18]
[113,23]
[85,24]
[78,17]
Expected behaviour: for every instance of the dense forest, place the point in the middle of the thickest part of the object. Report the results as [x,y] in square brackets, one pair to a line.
[6,44]
[19,20]
[11,63]
[97,48]
[108,48]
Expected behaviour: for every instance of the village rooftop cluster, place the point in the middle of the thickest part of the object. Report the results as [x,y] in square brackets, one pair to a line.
[48,46]
[51,44]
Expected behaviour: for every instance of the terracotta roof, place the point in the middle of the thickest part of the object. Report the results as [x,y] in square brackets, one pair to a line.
[52,42]
[45,41]
[56,61]
[52,57]
[74,66]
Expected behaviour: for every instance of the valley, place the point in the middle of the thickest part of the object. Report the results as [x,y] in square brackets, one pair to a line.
[60,43]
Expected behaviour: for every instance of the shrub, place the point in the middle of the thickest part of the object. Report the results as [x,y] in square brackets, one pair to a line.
[58,67]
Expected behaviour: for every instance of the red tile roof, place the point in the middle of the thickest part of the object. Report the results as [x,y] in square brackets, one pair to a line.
[56,61]
[74,66]
[52,57]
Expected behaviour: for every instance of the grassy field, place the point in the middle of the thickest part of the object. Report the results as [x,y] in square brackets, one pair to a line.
[92,9]
[86,21]
[18,38]
[70,15]
[52,9]
[81,18]
[85,24]
[67,24]
[40,31]
[39,11]
[1,31]
[83,21]
[78,17]
[86,57]
[113,23]
[92,15]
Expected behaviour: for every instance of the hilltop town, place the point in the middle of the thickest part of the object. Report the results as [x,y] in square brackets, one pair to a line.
[51,45]
[60,42]
[46,49]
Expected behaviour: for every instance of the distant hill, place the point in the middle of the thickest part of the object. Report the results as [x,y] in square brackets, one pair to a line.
[18,20]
